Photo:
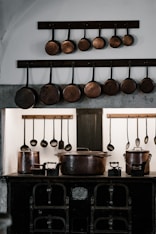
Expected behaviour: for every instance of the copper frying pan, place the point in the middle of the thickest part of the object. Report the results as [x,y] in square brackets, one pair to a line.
[111,86]
[84,44]
[128,85]
[52,47]
[68,46]
[50,93]
[26,97]
[72,92]
[147,84]
[92,89]
[115,41]
[99,42]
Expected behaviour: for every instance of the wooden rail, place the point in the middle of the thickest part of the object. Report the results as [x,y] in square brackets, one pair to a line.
[145,115]
[47,116]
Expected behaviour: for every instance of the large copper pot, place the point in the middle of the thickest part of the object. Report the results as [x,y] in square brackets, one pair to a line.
[26,160]
[137,157]
[82,162]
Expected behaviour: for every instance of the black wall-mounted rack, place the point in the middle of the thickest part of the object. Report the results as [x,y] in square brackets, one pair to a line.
[88,24]
[86,63]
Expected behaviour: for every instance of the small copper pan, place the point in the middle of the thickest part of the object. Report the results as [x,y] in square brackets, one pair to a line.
[128,39]
[52,47]
[99,42]
[84,44]
[68,46]
[115,41]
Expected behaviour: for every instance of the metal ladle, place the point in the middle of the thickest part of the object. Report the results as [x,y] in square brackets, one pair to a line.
[24,147]
[68,147]
[128,143]
[110,147]
[53,142]
[44,143]
[137,140]
[146,137]
[33,142]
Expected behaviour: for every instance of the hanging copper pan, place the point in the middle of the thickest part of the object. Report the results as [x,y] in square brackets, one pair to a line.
[128,39]
[50,93]
[92,89]
[68,46]
[115,41]
[111,86]
[26,97]
[128,85]
[53,47]
[84,44]
[147,84]
[99,42]
[72,92]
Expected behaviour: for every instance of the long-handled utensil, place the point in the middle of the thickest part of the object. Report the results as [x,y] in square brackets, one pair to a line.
[137,140]
[53,142]
[24,147]
[128,142]
[33,142]
[110,147]
[44,143]
[146,137]
[61,142]
[68,147]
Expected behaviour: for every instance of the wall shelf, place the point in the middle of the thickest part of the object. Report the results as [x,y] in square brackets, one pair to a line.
[86,63]
[131,115]
[88,24]
[47,116]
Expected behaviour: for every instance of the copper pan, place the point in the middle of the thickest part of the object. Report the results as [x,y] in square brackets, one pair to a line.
[53,47]
[68,46]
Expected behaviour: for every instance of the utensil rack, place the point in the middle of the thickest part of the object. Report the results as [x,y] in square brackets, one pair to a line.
[88,24]
[86,63]
[131,115]
[47,116]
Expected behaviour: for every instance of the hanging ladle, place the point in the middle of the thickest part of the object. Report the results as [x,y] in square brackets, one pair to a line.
[61,142]
[44,143]
[53,142]
[68,147]
[128,143]
[146,137]
[33,142]
[137,140]
[155,133]
[24,147]
[110,147]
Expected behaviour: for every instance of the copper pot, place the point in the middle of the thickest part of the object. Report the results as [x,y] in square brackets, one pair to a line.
[137,157]
[26,160]
[82,162]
